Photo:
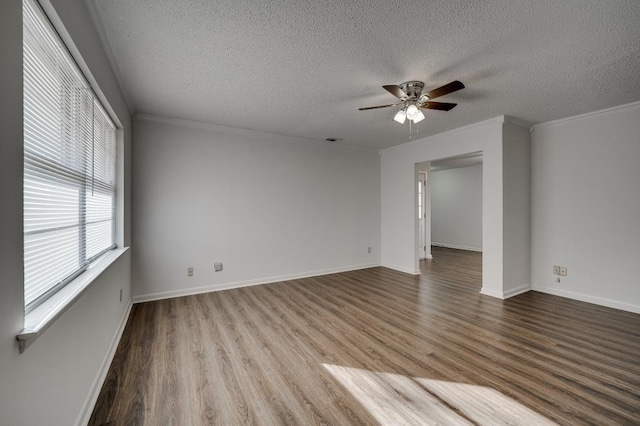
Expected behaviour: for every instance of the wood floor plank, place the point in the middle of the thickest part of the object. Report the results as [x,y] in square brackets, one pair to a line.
[374,346]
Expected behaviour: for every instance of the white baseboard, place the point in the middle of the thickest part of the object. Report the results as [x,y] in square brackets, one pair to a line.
[226,286]
[516,291]
[402,269]
[488,292]
[92,397]
[589,299]
[454,246]
[505,294]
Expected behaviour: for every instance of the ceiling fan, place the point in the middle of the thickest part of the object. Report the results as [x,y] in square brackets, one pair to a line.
[413,100]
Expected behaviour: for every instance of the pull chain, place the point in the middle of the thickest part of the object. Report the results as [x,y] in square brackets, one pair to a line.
[410,129]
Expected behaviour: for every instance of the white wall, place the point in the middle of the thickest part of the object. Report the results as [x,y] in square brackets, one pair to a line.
[397,196]
[586,207]
[268,207]
[398,200]
[52,382]
[516,169]
[456,208]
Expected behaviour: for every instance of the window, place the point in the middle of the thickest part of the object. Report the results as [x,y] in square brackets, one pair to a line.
[69,164]
[420,199]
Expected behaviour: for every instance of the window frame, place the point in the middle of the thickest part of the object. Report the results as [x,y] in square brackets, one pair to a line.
[78,180]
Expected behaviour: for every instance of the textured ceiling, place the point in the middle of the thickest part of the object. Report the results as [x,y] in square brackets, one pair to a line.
[303,68]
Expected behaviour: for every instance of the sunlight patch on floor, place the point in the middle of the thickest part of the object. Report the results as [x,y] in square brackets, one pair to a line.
[394,399]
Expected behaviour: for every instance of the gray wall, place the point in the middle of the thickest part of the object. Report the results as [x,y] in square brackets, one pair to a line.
[268,207]
[53,381]
[516,199]
[456,208]
[586,207]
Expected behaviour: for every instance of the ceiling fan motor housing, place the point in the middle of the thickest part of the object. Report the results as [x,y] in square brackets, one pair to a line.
[413,89]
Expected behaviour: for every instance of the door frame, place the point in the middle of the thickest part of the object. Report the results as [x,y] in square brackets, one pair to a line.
[422,214]
[423,168]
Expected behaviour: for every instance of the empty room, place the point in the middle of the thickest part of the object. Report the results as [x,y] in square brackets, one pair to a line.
[372,213]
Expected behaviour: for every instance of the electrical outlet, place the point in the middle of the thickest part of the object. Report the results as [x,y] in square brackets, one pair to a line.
[560,270]
[217,266]
[190,271]
[369,250]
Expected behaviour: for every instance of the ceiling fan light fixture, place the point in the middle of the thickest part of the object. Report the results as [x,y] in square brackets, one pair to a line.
[413,100]
[412,110]
[400,117]
[418,117]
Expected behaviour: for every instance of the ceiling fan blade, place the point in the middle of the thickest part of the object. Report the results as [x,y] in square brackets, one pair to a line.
[396,91]
[379,106]
[445,90]
[442,106]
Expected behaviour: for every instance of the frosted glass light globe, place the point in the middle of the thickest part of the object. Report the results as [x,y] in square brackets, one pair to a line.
[412,110]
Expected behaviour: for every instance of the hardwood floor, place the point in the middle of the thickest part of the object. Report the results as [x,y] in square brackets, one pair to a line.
[374,347]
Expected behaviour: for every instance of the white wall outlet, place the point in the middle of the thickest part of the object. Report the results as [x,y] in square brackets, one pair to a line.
[217,266]
[369,250]
[560,270]
[190,271]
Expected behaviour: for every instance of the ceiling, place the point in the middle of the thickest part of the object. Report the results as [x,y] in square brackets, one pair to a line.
[303,68]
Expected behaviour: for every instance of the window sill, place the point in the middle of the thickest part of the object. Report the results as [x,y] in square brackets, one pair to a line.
[38,320]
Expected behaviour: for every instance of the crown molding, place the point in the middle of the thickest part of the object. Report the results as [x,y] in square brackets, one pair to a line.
[99,27]
[276,137]
[623,107]
[495,120]
[516,121]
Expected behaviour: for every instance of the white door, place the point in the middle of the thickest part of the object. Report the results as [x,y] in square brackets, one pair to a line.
[422,214]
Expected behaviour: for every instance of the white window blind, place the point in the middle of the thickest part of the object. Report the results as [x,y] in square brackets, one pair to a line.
[69,164]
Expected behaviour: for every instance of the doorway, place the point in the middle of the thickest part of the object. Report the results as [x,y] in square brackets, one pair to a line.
[449,204]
